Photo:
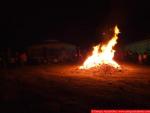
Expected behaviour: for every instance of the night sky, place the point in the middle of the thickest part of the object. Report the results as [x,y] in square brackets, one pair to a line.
[80,23]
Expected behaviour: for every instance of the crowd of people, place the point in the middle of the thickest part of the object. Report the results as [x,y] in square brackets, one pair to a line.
[9,60]
[135,57]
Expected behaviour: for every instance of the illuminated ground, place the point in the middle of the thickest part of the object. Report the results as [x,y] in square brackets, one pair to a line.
[65,88]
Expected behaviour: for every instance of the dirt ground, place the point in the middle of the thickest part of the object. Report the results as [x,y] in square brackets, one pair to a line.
[67,89]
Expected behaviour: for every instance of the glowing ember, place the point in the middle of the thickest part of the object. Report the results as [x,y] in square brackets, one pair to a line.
[103,54]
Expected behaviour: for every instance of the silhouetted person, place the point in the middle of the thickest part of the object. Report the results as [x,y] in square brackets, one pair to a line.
[140,58]
[1,62]
[144,57]
[23,58]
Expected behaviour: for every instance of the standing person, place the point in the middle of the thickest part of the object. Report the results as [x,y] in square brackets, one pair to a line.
[78,53]
[136,57]
[144,57]
[4,59]
[23,58]
[8,56]
[1,62]
[140,58]
[12,62]
[17,58]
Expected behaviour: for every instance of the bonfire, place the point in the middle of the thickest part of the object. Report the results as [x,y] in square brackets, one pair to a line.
[103,54]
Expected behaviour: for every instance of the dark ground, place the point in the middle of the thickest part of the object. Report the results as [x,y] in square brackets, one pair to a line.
[66,89]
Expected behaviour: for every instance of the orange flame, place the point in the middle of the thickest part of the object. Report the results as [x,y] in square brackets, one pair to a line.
[105,56]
